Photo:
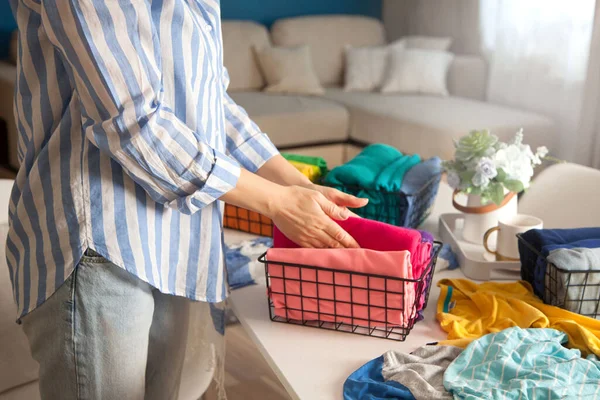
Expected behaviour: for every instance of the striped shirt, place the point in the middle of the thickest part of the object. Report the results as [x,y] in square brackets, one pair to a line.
[127,140]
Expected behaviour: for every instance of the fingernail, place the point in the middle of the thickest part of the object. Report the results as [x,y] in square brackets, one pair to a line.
[344,214]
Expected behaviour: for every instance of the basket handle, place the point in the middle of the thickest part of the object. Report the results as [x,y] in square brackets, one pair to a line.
[481,209]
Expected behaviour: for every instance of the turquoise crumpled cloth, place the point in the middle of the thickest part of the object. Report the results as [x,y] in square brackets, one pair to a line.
[523,364]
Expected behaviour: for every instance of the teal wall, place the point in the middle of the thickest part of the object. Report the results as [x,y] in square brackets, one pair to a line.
[7,25]
[267,11]
[263,11]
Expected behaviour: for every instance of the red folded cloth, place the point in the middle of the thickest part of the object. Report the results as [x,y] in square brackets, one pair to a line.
[375,235]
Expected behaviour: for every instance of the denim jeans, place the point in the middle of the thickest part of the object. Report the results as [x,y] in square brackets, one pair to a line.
[105,334]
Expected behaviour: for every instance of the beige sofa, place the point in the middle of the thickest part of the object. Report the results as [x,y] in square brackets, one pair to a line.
[413,123]
[335,124]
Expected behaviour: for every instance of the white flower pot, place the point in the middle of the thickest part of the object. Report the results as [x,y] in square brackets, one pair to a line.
[481,217]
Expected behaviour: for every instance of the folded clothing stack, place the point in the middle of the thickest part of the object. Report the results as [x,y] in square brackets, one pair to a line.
[389,179]
[574,283]
[349,296]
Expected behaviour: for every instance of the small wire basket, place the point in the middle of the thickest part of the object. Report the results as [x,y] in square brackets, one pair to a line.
[574,290]
[244,220]
[352,302]
[396,208]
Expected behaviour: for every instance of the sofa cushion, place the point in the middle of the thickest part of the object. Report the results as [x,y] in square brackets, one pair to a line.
[289,70]
[239,38]
[427,124]
[295,120]
[327,37]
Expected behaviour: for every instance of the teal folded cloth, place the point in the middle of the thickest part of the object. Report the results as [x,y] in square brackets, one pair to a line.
[523,364]
[378,166]
[373,174]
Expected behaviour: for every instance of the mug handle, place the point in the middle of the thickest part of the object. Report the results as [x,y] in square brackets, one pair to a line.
[487,236]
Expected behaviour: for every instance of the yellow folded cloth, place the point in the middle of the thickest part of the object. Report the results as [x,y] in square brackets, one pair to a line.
[312,172]
[468,310]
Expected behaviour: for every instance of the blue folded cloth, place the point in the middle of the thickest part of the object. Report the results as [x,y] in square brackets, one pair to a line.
[414,180]
[532,270]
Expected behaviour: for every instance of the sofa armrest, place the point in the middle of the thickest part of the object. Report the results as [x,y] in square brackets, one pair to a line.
[8,80]
[467,77]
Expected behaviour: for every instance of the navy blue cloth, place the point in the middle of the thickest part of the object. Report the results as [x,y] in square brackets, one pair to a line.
[534,270]
[367,383]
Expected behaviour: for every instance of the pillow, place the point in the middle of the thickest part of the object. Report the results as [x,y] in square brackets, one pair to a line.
[289,70]
[365,67]
[417,71]
[424,42]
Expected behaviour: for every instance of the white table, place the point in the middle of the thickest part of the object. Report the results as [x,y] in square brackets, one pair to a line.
[314,363]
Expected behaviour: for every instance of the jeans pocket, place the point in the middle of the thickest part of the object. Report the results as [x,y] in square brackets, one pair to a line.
[90,256]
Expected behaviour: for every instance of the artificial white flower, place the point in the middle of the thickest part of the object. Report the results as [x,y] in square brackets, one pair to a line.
[542,151]
[515,163]
[453,180]
[479,180]
[486,167]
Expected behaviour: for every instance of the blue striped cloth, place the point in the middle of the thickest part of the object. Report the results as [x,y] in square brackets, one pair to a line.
[127,138]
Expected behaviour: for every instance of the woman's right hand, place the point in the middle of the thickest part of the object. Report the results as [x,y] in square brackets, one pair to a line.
[307,217]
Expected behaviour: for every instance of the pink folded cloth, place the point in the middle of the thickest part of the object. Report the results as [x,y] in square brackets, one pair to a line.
[336,290]
[375,235]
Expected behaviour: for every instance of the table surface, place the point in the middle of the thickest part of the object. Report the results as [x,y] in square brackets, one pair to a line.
[314,363]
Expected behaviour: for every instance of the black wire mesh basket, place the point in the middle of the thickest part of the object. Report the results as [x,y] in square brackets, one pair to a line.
[244,220]
[396,208]
[574,290]
[352,302]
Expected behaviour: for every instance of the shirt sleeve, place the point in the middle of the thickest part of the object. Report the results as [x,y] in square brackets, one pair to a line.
[113,52]
[245,141]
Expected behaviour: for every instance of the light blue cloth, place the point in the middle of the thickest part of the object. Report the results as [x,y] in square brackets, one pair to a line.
[127,139]
[243,268]
[523,364]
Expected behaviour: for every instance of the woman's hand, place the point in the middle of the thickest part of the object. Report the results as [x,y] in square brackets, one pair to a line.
[306,217]
[341,199]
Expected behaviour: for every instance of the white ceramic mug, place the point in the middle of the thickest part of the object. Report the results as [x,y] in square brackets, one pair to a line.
[507,248]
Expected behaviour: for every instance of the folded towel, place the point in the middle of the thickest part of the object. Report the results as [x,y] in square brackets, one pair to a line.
[318,161]
[576,291]
[312,172]
[367,295]
[378,166]
[538,238]
[414,180]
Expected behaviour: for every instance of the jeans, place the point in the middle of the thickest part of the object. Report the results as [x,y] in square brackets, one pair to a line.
[105,334]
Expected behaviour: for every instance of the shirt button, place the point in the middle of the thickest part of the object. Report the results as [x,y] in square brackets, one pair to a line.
[208,27]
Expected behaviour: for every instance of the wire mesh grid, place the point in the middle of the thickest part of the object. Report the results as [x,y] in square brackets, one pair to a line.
[247,221]
[396,208]
[352,302]
[574,290]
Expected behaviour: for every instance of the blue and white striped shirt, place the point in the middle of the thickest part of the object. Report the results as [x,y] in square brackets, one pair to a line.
[127,140]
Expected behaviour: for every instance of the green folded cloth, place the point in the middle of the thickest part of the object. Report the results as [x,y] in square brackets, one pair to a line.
[374,173]
[378,166]
[318,161]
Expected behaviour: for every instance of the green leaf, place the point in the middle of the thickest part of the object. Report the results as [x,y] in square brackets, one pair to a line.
[514,185]
[501,177]
[497,193]
[466,176]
